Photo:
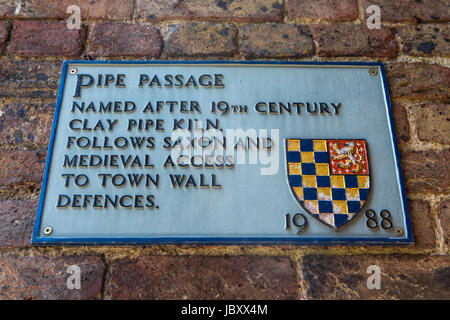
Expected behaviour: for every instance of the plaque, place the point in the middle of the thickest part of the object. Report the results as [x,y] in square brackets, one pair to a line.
[222,152]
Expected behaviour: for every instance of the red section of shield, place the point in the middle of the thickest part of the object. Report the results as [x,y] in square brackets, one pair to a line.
[348,157]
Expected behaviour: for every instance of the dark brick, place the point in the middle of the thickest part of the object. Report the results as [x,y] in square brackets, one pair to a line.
[426,171]
[237,10]
[4,34]
[111,39]
[203,277]
[16,222]
[402,277]
[21,173]
[422,224]
[402,128]
[432,122]
[36,277]
[25,125]
[49,9]
[444,217]
[418,81]
[411,10]
[29,79]
[276,41]
[43,38]
[6,8]
[201,39]
[354,40]
[334,10]
[425,40]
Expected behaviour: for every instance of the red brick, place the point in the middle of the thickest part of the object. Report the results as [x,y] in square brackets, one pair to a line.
[21,173]
[418,81]
[426,171]
[6,8]
[237,10]
[45,278]
[411,10]
[25,125]
[203,277]
[425,40]
[444,217]
[195,39]
[422,224]
[16,222]
[50,9]
[110,40]
[432,122]
[334,10]
[402,277]
[29,79]
[43,38]
[276,41]
[401,123]
[4,34]
[354,40]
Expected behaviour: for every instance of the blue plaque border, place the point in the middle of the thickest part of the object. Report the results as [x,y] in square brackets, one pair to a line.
[295,240]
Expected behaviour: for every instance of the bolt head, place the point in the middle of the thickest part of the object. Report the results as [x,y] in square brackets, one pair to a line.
[48,230]
[373,72]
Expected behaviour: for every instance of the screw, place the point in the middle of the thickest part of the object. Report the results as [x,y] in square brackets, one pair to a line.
[48,231]
[73,71]
[373,72]
[399,231]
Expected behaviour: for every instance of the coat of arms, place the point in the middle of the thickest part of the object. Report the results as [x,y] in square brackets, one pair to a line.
[329,178]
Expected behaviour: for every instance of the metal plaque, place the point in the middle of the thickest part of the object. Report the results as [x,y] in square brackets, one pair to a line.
[222,152]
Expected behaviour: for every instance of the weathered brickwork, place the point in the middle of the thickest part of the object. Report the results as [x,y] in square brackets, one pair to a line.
[45,277]
[426,171]
[111,40]
[330,10]
[237,10]
[354,40]
[21,173]
[418,81]
[4,33]
[196,39]
[42,38]
[196,277]
[407,277]
[426,40]
[276,41]
[48,9]
[402,128]
[29,79]
[16,222]
[420,215]
[432,122]
[412,10]
[25,125]
[413,43]
[444,216]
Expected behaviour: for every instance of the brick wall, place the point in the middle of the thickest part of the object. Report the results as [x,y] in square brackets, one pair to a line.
[413,42]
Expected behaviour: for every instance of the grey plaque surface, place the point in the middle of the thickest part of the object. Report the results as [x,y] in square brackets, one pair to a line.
[283,109]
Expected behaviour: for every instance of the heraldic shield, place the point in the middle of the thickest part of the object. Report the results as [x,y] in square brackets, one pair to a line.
[329,178]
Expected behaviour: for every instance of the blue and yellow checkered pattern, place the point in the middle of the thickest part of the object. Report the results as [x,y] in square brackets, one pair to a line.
[332,199]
